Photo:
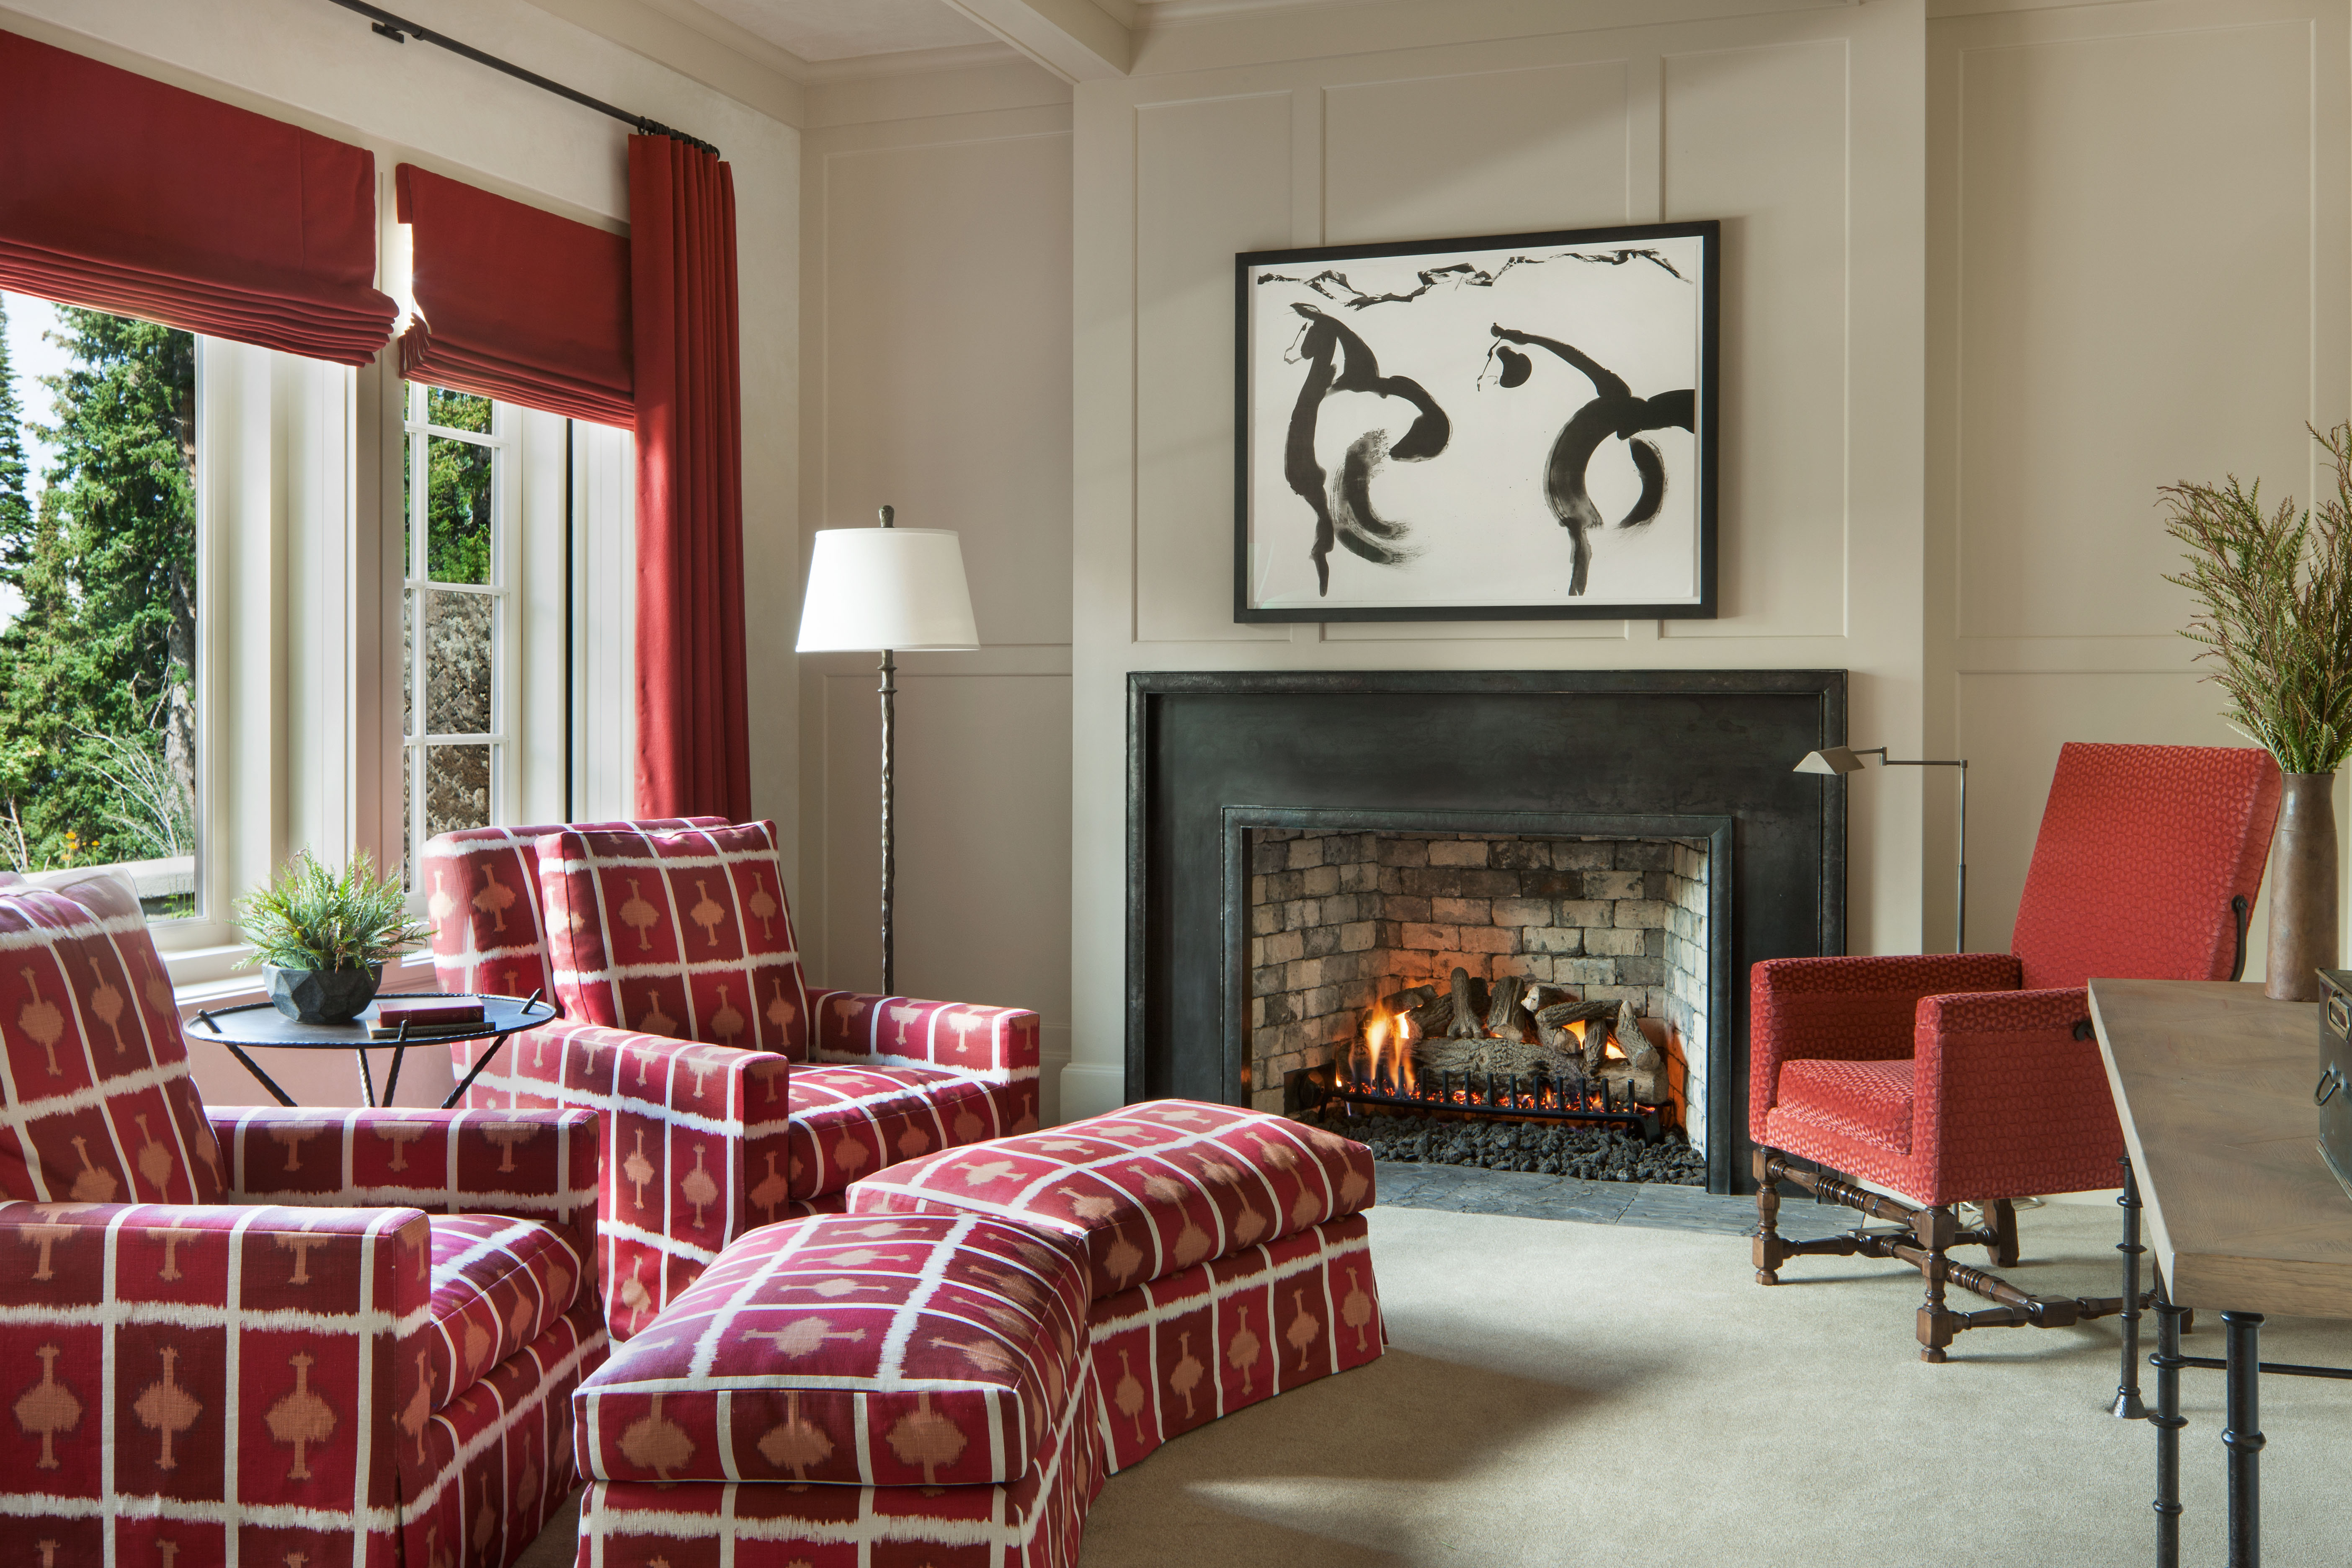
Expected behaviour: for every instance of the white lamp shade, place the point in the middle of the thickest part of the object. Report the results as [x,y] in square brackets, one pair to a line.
[874,588]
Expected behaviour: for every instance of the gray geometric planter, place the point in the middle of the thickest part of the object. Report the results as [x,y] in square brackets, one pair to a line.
[321,995]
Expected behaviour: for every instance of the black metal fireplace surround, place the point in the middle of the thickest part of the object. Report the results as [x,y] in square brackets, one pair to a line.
[1632,754]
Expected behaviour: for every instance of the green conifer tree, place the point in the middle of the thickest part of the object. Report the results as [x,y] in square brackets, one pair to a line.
[96,672]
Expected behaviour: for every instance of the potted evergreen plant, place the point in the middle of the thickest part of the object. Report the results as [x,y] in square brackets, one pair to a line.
[2274,614]
[321,938]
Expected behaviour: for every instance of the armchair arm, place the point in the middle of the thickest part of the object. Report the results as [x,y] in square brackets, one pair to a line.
[1849,1009]
[999,1044]
[693,1143]
[530,1164]
[2008,1100]
[103,1305]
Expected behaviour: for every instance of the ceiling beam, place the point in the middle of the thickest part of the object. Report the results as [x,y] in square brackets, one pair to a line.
[1077,40]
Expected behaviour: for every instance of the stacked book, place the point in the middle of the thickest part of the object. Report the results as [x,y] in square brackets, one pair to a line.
[438,1019]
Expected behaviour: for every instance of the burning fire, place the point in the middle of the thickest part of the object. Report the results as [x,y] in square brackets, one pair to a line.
[1382,1065]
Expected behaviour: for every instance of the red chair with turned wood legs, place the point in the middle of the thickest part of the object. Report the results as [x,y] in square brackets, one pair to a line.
[1974,1078]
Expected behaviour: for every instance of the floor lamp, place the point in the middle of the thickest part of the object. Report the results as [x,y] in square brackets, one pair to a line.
[1845,759]
[888,590]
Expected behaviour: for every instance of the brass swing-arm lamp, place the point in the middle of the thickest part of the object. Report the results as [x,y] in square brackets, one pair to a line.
[1842,760]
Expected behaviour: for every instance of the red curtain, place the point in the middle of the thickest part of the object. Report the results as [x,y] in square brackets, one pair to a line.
[121,194]
[513,302]
[693,741]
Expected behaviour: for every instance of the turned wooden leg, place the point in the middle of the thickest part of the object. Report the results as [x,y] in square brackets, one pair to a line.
[2000,1216]
[1769,1251]
[1935,1229]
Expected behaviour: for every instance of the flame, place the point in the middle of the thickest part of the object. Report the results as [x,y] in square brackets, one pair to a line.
[1376,1035]
[1408,1073]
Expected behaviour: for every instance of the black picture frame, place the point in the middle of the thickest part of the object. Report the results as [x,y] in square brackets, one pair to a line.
[1314,519]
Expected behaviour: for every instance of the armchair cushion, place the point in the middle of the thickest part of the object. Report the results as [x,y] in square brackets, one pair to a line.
[482,887]
[1866,1102]
[680,934]
[850,1122]
[497,1285]
[96,1104]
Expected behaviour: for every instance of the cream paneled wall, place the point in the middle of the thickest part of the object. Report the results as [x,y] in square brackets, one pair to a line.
[2137,267]
[936,260]
[1801,130]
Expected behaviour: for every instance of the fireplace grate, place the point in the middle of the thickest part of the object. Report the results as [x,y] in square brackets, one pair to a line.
[1312,1090]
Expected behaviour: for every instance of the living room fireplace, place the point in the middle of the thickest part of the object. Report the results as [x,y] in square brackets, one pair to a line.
[1599,856]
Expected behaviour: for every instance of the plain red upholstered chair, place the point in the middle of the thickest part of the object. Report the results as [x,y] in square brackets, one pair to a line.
[1974,1078]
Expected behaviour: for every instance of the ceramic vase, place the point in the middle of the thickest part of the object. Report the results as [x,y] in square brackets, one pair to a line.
[2303,935]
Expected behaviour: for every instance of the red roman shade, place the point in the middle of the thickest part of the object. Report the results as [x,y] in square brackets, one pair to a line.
[119,193]
[515,303]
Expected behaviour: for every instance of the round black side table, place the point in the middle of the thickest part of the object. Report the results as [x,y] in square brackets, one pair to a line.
[261,1024]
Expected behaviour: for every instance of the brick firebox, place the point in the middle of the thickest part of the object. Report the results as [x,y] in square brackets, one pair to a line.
[1339,919]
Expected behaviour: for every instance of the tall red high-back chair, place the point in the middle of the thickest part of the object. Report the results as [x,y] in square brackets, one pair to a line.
[1974,1078]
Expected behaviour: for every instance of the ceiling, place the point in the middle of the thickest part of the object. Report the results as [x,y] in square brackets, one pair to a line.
[843,29]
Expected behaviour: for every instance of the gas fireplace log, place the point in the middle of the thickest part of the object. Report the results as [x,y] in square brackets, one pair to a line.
[1410,999]
[1466,1023]
[1432,1018]
[1506,1020]
[1641,1052]
[1559,1015]
[1540,996]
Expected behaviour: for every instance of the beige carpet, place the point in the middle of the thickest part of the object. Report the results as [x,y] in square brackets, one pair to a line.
[1557,1392]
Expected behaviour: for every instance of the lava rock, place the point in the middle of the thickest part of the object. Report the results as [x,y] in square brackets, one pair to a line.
[1553,1149]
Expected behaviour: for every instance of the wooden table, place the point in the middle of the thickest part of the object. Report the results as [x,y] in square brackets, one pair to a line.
[2213,1083]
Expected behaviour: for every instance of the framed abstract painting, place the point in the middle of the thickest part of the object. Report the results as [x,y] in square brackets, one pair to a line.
[1514,427]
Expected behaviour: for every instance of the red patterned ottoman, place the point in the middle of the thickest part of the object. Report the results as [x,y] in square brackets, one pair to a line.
[851,1392]
[1226,1249]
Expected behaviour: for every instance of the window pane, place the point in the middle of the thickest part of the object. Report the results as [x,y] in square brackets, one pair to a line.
[457,410]
[457,511]
[456,788]
[457,664]
[98,597]
[408,662]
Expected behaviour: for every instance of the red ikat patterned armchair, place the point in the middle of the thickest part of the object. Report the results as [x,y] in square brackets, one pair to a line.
[1973,1076]
[723,1110]
[264,1336]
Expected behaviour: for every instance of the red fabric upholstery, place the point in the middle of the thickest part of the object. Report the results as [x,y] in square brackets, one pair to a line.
[2139,846]
[513,302]
[1960,1078]
[1179,1352]
[497,1285]
[124,193]
[1146,1191]
[482,891]
[679,934]
[298,1324]
[95,1103]
[853,1350]
[693,706]
[703,1141]
[899,1390]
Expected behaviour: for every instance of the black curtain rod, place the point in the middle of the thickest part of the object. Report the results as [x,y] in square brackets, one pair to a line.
[393,27]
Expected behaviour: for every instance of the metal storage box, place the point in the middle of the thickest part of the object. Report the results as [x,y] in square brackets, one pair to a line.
[2334,1092]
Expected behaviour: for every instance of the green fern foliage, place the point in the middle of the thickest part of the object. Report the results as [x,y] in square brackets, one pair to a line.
[312,918]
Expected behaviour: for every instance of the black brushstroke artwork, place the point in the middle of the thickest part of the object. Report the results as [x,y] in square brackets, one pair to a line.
[1339,361]
[1334,286]
[1614,411]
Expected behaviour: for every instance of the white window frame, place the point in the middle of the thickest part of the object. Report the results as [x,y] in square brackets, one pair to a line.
[506,636]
